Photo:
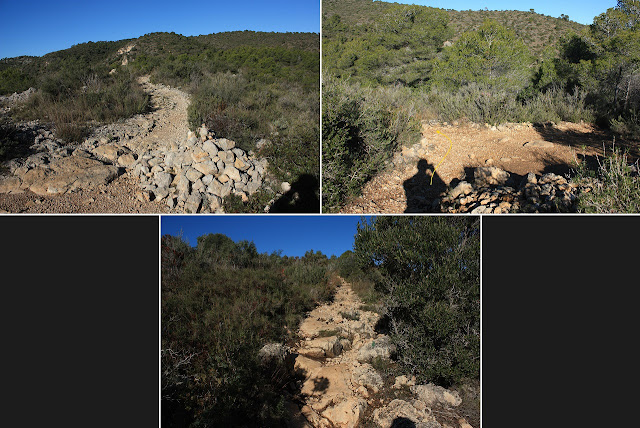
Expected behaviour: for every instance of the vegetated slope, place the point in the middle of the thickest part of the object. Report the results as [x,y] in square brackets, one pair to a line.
[221,302]
[244,85]
[538,31]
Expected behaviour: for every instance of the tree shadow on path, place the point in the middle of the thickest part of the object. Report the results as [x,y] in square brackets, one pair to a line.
[421,191]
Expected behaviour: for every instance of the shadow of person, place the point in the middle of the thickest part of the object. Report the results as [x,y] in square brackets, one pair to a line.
[421,190]
[303,197]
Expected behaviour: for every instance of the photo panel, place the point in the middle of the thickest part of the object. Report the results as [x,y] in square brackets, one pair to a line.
[319,320]
[149,112]
[432,107]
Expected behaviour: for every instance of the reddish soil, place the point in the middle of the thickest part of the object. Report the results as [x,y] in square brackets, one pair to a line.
[408,185]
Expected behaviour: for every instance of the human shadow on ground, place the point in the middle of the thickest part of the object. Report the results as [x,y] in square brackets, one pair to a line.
[421,190]
[302,198]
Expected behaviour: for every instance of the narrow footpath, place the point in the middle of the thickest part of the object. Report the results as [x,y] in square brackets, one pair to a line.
[342,388]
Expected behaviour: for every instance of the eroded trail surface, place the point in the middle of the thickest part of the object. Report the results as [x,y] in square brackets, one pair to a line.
[342,388]
[56,178]
[519,149]
[168,120]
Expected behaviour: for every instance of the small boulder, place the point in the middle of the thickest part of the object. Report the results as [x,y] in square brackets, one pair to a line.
[540,144]
[273,351]
[232,173]
[193,174]
[431,394]
[463,188]
[490,175]
[379,347]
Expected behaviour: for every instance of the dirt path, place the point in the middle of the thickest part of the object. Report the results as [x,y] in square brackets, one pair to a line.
[169,117]
[342,388]
[516,148]
[164,128]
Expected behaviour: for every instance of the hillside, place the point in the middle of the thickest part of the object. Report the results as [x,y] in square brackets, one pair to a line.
[245,86]
[536,30]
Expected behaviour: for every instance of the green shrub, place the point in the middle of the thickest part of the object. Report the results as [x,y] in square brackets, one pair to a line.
[615,185]
[221,302]
[430,282]
[361,129]
[73,112]
[13,80]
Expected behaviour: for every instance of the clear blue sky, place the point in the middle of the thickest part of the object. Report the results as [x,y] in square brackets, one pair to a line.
[43,26]
[582,11]
[294,235]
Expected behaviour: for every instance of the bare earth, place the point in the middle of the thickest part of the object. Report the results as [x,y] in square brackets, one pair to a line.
[472,146]
[122,195]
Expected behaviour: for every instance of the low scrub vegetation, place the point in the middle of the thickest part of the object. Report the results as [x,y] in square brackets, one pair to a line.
[361,128]
[72,111]
[615,185]
[221,302]
[480,66]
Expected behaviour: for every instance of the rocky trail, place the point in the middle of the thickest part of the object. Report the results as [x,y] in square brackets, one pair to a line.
[340,386]
[527,153]
[63,177]
[150,163]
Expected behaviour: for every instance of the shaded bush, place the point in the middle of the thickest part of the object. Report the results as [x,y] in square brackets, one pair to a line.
[221,302]
[430,282]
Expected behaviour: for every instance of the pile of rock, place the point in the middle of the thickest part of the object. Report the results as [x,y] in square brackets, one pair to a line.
[17,97]
[192,176]
[54,168]
[196,176]
[496,191]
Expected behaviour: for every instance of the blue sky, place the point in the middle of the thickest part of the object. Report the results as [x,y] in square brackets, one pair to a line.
[294,235]
[43,26]
[582,11]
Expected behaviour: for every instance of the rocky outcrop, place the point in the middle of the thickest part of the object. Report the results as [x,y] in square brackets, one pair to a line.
[495,191]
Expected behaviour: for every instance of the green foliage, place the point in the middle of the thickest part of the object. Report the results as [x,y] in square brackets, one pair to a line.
[13,80]
[393,48]
[102,99]
[491,56]
[430,281]
[616,185]
[605,62]
[482,105]
[221,302]
[361,128]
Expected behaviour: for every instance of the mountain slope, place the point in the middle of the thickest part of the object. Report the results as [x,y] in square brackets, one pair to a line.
[536,30]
